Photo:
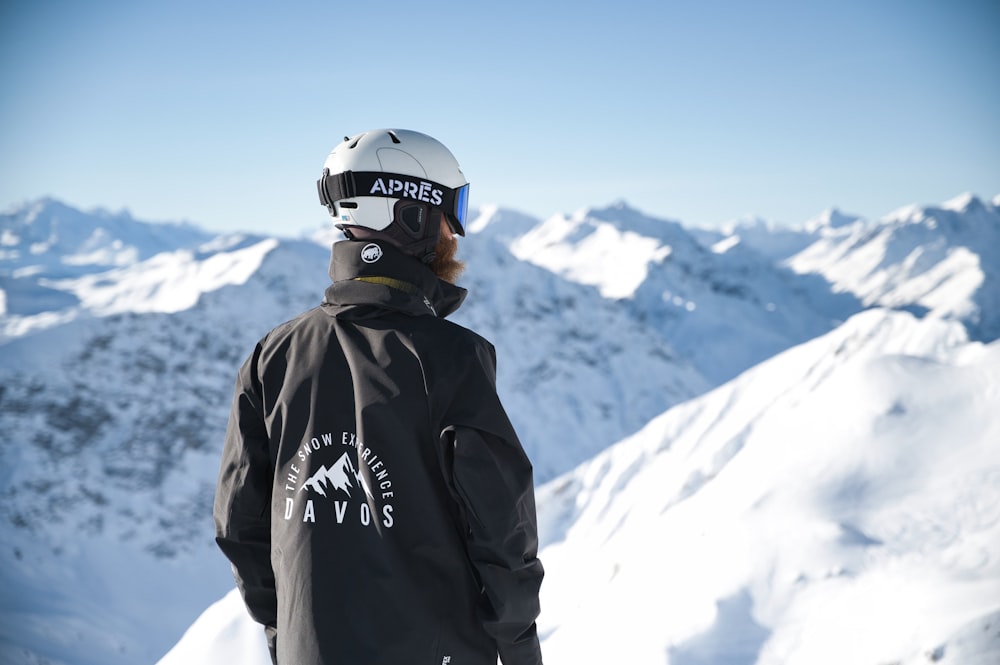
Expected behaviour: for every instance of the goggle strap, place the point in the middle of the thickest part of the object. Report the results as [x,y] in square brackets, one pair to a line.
[333,188]
[352,184]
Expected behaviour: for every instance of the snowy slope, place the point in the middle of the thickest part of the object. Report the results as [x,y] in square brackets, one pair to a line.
[224,633]
[847,487]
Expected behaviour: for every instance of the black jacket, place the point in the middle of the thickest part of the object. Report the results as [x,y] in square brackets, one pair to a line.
[373,498]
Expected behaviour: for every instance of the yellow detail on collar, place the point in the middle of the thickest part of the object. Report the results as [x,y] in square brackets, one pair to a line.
[398,284]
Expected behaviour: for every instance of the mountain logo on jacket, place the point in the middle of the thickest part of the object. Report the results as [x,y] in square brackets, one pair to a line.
[336,477]
[357,487]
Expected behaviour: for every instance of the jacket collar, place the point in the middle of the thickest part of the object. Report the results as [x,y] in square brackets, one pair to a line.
[377,274]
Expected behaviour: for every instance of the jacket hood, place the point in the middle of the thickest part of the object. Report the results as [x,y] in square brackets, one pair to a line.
[374,275]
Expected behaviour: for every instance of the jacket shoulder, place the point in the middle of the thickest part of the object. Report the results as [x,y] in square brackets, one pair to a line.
[458,336]
[288,327]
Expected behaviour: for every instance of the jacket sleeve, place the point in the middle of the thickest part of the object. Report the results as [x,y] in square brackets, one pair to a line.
[243,498]
[493,480]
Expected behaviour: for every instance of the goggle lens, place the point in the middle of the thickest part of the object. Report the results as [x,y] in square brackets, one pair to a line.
[462,204]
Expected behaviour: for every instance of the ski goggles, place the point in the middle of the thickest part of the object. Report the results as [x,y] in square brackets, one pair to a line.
[352,184]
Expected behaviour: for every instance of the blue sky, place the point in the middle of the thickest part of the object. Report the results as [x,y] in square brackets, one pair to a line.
[222,113]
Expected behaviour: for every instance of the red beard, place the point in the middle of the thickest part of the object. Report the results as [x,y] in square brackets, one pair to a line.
[445,265]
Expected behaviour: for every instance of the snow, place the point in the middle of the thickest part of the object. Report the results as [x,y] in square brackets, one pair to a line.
[224,633]
[961,203]
[726,244]
[101,601]
[168,282]
[752,442]
[101,249]
[483,219]
[615,261]
[815,496]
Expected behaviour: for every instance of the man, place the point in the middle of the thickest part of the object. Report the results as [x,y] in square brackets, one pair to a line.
[373,498]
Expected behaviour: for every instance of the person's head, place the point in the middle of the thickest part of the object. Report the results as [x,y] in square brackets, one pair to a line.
[399,186]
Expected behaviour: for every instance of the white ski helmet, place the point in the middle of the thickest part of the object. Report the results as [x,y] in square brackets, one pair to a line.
[387,182]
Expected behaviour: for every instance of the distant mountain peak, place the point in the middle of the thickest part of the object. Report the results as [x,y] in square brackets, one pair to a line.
[747,221]
[621,214]
[831,218]
[966,202]
[618,206]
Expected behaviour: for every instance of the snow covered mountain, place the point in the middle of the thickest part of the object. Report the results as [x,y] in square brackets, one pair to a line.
[942,261]
[120,342]
[697,296]
[939,261]
[47,244]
